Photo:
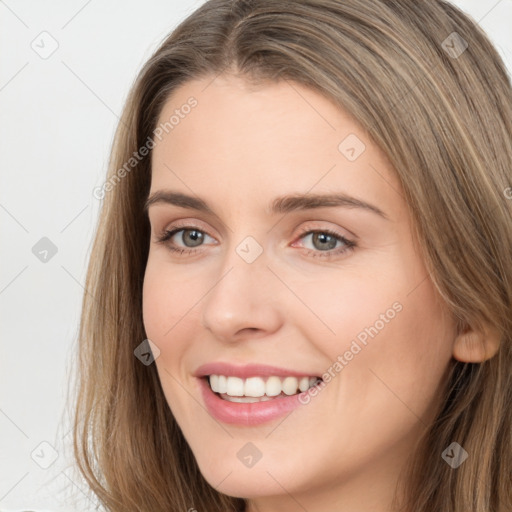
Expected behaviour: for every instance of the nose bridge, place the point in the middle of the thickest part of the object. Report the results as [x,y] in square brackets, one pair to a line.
[240,295]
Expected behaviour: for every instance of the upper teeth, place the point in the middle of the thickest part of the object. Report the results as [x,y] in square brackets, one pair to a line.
[258,387]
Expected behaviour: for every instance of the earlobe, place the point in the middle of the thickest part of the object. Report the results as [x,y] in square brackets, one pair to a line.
[476,346]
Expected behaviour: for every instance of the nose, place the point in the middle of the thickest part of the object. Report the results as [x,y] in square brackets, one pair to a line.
[244,301]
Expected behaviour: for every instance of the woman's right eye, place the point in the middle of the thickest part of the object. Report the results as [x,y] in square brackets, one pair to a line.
[190,233]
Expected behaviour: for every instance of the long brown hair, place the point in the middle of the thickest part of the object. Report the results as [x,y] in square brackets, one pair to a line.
[442,114]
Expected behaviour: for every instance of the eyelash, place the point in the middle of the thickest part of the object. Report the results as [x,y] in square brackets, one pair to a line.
[349,244]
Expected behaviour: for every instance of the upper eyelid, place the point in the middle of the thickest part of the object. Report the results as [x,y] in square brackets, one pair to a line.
[186,226]
[197,224]
[302,216]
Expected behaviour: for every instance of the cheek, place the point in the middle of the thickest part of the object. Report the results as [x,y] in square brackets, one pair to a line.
[168,299]
[167,309]
[403,342]
[348,307]
[154,304]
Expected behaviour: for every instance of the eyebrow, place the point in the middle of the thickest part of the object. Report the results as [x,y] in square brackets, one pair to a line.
[282,204]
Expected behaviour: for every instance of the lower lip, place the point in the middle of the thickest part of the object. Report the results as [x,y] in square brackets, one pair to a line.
[247,413]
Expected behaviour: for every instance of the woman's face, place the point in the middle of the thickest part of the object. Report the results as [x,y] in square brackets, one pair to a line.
[273,292]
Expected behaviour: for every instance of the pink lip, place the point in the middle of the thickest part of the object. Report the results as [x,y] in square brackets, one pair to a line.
[248,370]
[247,414]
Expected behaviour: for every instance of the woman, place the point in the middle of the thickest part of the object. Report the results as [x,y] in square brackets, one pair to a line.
[300,287]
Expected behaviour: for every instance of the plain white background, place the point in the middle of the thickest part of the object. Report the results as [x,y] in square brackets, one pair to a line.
[59,114]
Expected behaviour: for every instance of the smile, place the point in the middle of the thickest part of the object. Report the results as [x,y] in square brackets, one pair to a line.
[259,389]
[251,394]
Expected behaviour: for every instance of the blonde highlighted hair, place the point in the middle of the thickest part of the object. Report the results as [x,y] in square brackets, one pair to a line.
[440,112]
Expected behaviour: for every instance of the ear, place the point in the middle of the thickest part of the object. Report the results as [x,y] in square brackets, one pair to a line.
[475,345]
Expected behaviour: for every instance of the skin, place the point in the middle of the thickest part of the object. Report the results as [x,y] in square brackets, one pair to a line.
[241,147]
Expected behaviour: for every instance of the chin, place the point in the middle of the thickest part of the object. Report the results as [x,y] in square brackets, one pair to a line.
[239,482]
[249,486]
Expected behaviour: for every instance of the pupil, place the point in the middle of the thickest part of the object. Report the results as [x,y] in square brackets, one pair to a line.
[195,235]
[322,237]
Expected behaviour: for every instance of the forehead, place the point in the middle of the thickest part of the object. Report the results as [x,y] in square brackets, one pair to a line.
[230,111]
[259,141]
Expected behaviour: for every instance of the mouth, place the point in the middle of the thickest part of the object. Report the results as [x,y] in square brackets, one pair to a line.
[258,388]
[253,394]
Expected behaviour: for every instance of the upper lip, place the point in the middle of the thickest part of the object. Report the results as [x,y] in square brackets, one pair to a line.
[247,370]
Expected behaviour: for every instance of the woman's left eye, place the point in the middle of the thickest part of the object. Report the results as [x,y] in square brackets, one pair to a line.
[327,239]
[321,239]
